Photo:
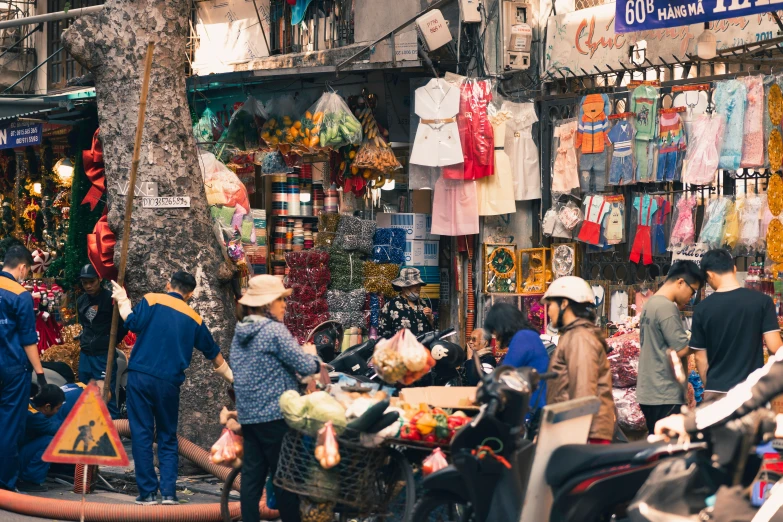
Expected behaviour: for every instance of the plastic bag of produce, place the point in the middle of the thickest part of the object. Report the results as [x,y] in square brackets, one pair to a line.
[436,461]
[329,124]
[244,130]
[378,158]
[223,187]
[326,449]
[283,129]
[402,358]
[228,449]
[208,128]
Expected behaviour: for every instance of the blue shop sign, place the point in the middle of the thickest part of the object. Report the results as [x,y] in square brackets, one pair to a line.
[21,134]
[641,15]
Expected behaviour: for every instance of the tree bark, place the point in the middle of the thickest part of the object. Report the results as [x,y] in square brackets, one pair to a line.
[112,44]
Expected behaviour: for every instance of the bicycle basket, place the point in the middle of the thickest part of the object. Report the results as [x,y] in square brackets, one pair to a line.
[351,483]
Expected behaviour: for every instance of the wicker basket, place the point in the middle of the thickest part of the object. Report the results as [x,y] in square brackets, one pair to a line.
[351,483]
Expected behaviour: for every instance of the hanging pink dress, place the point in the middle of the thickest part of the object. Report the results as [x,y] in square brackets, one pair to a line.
[455,208]
[753,131]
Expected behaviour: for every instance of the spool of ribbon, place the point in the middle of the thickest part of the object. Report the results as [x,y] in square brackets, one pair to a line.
[95,171]
[100,249]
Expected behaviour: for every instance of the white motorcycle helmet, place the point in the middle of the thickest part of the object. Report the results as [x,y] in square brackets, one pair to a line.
[573,288]
[570,287]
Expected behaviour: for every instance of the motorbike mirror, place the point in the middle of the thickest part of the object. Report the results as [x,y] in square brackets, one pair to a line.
[677,370]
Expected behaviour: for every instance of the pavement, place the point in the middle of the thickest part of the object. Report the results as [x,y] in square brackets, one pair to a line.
[193,489]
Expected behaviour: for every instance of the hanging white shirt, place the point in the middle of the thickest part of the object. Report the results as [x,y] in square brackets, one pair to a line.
[437,141]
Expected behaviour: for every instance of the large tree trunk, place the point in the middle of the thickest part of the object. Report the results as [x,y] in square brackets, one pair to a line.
[112,44]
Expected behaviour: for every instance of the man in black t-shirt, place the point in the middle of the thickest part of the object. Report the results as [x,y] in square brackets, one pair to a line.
[729,326]
[95,311]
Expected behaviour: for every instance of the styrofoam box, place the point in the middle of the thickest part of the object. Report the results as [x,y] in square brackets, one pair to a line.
[417,226]
[421,253]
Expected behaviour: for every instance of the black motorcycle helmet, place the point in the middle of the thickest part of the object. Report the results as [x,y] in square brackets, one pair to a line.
[327,338]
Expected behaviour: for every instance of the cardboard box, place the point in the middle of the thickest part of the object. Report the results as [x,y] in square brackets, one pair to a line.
[417,226]
[421,201]
[419,253]
[462,397]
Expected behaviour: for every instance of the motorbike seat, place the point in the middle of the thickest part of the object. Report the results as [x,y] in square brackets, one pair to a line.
[571,459]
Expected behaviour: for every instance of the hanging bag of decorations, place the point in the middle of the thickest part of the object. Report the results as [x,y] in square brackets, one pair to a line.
[346,270]
[243,132]
[354,234]
[327,229]
[208,128]
[378,278]
[329,124]
[389,246]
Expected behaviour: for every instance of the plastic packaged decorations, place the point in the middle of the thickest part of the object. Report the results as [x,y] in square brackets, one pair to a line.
[243,132]
[629,414]
[308,278]
[327,229]
[333,123]
[355,234]
[346,270]
[347,308]
[222,185]
[402,358]
[378,278]
[208,128]
[389,246]
[624,359]
[273,163]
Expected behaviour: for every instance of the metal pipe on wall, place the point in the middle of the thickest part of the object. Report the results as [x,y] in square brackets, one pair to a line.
[50,17]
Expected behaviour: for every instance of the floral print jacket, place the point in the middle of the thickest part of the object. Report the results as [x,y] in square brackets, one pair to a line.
[397,314]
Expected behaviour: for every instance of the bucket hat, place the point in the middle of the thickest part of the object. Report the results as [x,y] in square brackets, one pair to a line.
[408,277]
[264,289]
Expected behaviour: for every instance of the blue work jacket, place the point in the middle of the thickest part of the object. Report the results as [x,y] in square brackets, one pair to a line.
[17,322]
[167,330]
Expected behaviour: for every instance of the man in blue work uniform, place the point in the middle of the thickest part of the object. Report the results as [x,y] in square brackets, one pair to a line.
[95,311]
[43,421]
[18,351]
[167,330]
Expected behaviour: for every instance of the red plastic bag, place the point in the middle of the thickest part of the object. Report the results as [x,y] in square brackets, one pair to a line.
[436,461]
[228,449]
[327,450]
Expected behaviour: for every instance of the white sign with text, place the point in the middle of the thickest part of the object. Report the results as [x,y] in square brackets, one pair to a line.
[166,202]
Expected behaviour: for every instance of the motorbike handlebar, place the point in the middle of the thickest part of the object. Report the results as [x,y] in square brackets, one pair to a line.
[546,376]
[492,406]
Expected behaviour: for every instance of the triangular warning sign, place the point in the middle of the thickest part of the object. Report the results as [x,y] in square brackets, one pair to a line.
[88,435]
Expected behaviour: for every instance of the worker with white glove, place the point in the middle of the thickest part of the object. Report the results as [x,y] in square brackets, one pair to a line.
[167,330]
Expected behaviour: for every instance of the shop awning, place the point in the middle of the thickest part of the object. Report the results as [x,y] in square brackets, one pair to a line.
[63,108]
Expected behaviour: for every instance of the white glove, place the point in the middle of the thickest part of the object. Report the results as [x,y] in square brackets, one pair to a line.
[121,296]
[225,371]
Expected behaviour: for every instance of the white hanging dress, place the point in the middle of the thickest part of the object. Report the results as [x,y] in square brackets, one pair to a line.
[522,151]
[437,141]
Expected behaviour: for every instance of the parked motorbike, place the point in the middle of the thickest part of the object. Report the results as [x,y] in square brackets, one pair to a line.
[494,466]
[720,469]
[354,362]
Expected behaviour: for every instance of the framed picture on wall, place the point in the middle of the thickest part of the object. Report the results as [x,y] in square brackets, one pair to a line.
[500,268]
[565,260]
[535,270]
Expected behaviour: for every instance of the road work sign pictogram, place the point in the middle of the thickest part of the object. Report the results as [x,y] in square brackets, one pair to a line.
[88,435]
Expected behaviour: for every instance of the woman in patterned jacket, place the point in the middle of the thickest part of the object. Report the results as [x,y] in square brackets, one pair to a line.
[266,360]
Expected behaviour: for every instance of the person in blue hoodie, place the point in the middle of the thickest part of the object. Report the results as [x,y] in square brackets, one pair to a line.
[266,361]
[43,421]
[513,331]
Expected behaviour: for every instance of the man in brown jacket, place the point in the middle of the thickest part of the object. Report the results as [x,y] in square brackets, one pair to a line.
[580,357]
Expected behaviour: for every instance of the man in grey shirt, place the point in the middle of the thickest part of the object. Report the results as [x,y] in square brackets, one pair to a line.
[661,329]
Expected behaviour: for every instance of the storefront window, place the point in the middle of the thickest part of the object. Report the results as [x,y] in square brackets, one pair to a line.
[62,67]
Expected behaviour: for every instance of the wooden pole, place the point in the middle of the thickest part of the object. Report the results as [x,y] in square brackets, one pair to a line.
[115,320]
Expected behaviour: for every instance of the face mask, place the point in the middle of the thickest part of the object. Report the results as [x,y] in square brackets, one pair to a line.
[413,296]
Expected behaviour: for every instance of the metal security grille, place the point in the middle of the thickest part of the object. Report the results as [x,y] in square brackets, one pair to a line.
[615,266]
[584,4]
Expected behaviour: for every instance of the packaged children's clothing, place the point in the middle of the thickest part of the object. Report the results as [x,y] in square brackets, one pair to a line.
[565,176]
[644,104]
[643,207]
[714,222]
[671,147]
[621,168]
[659,221]
[595,209]
[702,156]
[753,130]
[730,98]
[684,228]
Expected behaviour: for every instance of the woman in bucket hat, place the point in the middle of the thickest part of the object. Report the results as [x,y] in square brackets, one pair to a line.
[405,310]
[266,359]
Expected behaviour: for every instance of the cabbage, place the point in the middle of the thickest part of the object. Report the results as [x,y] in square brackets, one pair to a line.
[324,408]
[294,408]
